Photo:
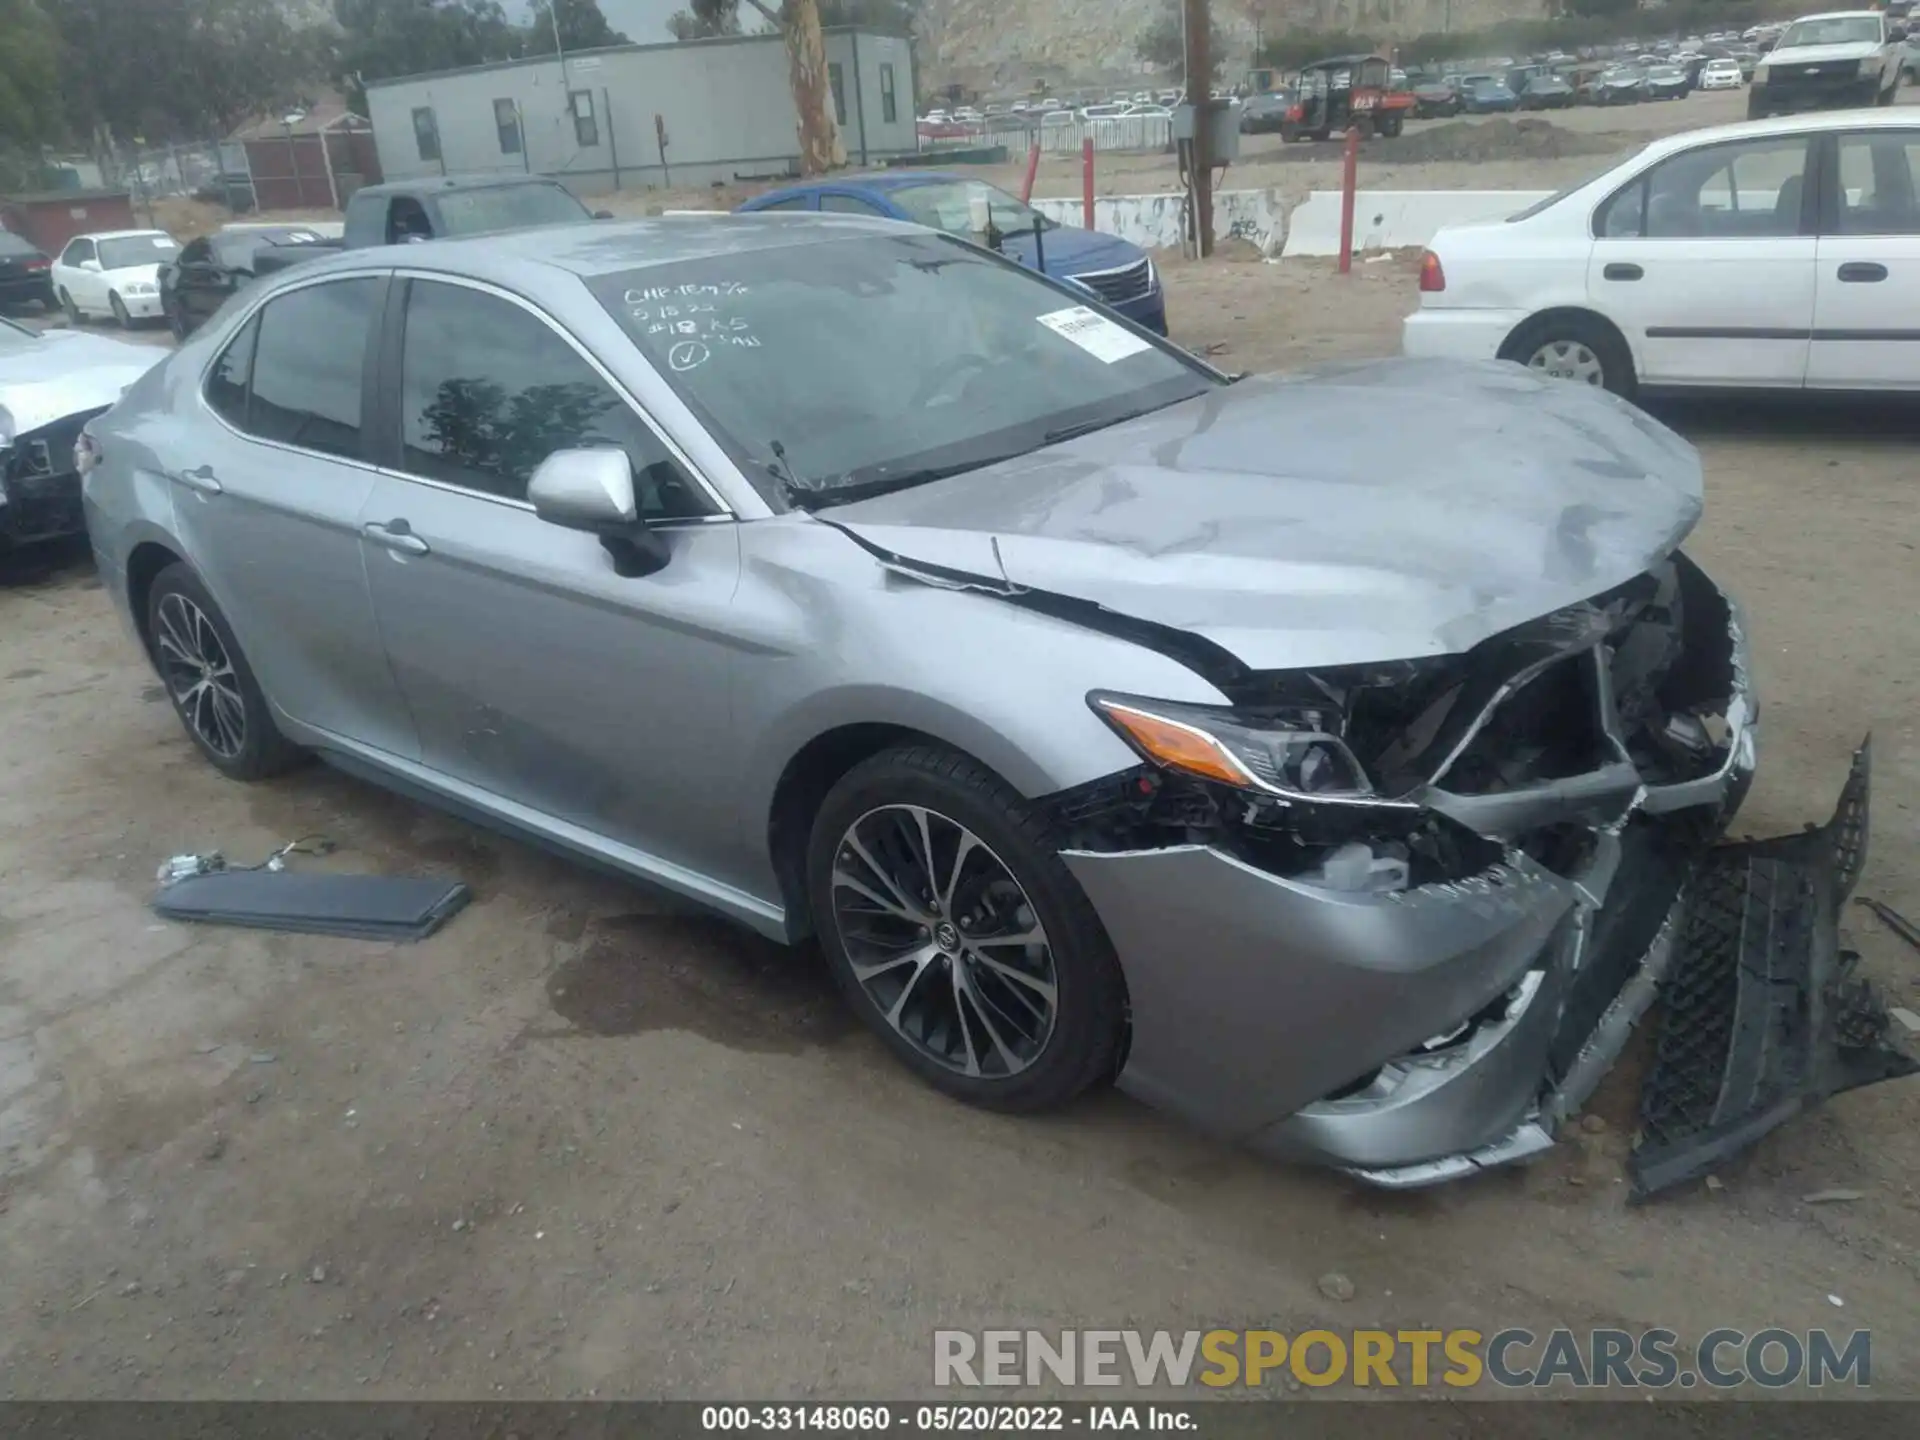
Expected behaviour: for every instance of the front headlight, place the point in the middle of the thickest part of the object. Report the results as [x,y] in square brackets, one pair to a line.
[142,287]
[1288,752]
[1153,276]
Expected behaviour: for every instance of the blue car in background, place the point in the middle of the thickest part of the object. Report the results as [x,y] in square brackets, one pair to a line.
[1118,273]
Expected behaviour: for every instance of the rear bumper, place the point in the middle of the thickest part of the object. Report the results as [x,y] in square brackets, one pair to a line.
[1445,334]
[19,289]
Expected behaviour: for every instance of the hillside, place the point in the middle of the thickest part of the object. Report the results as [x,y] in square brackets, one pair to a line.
[988,43]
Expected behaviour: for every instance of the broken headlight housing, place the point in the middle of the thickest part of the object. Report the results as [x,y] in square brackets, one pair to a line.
[1294,753]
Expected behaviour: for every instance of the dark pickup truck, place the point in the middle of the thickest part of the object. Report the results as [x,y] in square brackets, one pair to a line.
[410,210]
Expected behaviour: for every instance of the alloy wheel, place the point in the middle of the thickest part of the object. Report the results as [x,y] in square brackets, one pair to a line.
[199,675]
[1569,360]
[944,941]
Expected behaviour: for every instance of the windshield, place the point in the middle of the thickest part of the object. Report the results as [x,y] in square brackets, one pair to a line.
[14,337]
[872,362]
[137,250]
[508,207]
[1832,30]
[13,245]
[948,205]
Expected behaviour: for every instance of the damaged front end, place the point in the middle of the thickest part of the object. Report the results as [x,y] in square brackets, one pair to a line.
[1402,918]
[40,481]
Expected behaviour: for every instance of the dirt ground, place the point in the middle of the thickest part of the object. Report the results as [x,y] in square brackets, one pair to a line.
[582,1143]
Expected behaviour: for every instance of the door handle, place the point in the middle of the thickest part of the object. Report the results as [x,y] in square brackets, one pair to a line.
[200,478]
[1618,271]
[1862,272]
[395,535]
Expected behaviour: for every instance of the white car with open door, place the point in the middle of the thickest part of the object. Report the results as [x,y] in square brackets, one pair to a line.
[1778,254]
[116,273]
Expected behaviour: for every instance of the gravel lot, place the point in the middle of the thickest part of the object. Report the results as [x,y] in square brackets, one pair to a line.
[584,1143]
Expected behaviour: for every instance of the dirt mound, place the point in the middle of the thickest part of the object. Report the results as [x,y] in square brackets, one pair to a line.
[1497,139]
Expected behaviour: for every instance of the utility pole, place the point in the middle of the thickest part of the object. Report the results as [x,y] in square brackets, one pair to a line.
[1199,26]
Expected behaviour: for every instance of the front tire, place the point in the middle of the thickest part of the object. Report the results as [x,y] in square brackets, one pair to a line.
[958,934]
[119,308]
[207,678]
[73,310]
[1579,348]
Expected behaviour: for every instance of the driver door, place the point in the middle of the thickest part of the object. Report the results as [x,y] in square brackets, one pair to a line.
[86,286]
[537,675]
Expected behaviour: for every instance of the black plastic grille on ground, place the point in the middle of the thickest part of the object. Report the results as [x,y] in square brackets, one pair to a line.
[1763,1015]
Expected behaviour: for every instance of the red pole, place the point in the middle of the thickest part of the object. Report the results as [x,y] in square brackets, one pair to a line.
[1349,178]
[1086,185]
[1033,168]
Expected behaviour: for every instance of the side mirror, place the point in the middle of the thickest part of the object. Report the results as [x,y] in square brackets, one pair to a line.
[93,265]
[592,490]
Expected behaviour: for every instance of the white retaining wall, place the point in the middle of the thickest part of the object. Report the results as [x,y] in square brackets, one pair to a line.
[1153,221]
[1389,219]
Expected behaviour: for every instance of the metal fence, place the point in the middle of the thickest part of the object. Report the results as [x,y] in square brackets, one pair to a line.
[212,171]
[1061,132]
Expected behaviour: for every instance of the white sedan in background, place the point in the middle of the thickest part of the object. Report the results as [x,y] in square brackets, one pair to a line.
[1721,74]
[1779,254]
[115,273]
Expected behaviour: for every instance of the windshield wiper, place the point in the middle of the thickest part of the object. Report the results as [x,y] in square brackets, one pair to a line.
[815,499]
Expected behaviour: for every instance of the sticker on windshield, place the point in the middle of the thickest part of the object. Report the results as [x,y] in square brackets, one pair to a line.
[1094,333]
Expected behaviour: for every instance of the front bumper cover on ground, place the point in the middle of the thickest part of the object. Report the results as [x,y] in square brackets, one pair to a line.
[1764,1013]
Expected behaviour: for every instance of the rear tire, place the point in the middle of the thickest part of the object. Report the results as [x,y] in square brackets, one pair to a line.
[1391,126]
[1575,347]
[993,859]
[207,678]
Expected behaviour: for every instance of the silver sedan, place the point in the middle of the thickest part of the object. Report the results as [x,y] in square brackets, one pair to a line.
[1328,758]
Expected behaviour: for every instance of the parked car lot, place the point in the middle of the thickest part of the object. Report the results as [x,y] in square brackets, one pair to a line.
[583,1114]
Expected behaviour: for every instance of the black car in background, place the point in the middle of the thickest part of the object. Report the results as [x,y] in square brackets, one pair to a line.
[198,281]
[1667,82]
[26,274]
[1262,114]
[1546,91]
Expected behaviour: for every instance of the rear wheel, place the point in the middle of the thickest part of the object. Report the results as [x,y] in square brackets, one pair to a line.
[1580,348]
[1391,126]
[958,934]
[209,681]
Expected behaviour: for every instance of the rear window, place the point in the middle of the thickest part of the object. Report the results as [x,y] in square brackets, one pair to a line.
[11,245]
[508,207]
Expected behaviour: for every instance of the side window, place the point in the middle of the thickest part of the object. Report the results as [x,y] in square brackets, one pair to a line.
[506,121]
[308,363]
[851,205]
[426,133]
[227,381]
[407,220]
[488,391]
[1751,189]
[1624,215]
[792,202]
[889,107]
[77,252]
[586,129]
[839,92]
[1879,175]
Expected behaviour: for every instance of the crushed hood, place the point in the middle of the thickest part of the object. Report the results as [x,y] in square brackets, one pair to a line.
[65,372]
[1356,513]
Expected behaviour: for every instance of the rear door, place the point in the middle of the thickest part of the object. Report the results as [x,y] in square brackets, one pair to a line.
[536,673]
[1866,319]
[268,502]
[1706,262]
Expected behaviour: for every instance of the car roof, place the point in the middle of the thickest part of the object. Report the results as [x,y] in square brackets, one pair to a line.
[1805,122]
[876,182]
[605,247]
[118,235]
[1838,15]
[440,184]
